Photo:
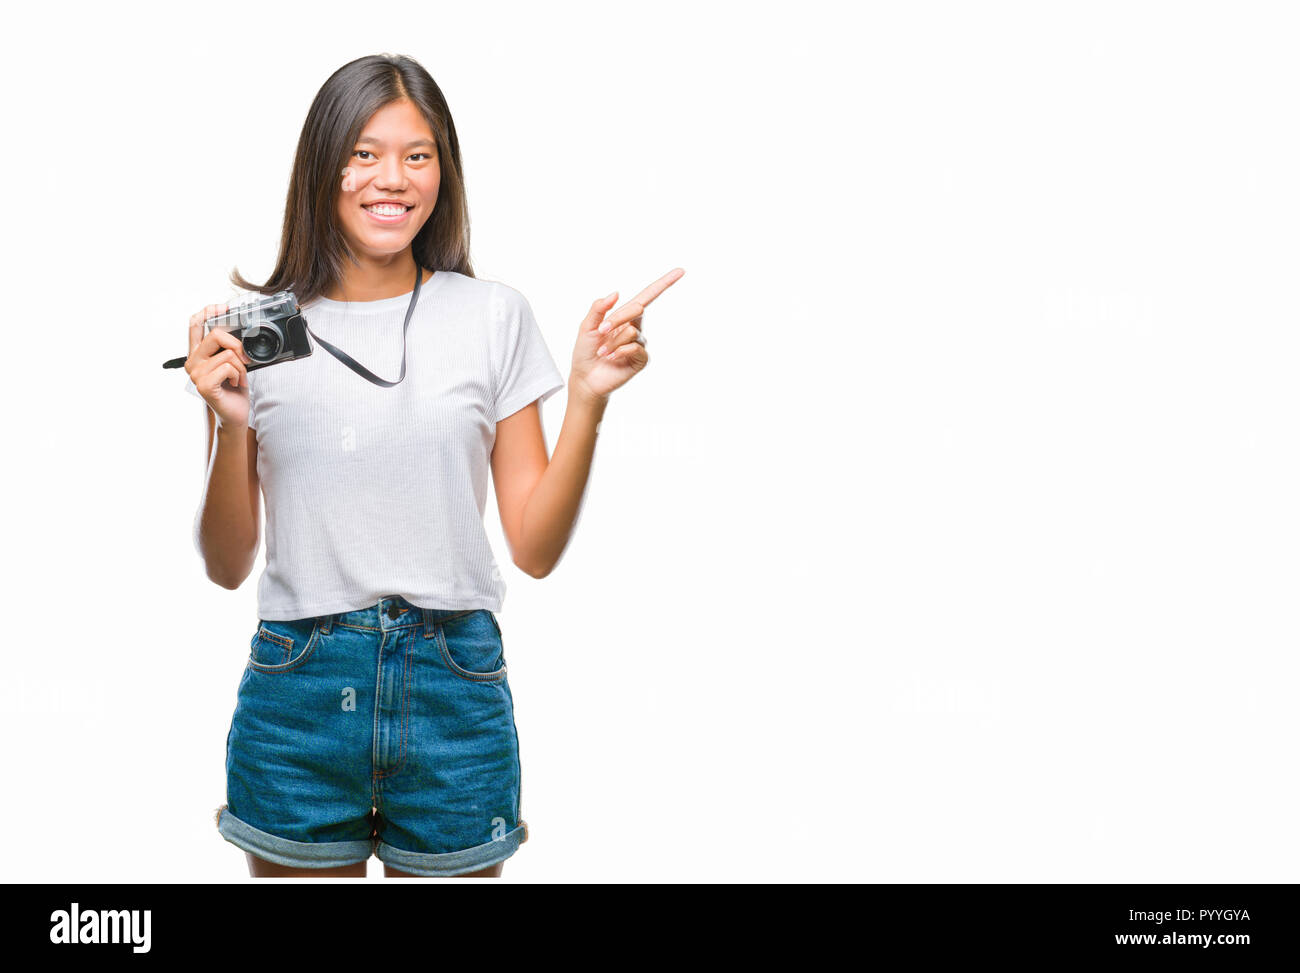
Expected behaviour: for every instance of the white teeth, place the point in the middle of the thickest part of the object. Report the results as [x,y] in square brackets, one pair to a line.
[387,209]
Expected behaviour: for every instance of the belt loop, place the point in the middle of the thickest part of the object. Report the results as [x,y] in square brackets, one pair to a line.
[325,622]
[430,626]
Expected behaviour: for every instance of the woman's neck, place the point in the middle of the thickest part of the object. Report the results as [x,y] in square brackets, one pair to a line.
[375,282]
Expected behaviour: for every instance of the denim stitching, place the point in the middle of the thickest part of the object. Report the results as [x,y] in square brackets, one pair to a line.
[406,695]
[289,666]
[406,702]
[435,624]
[284,640]
[375,772]
[270,638]
[465,673]
[373,628]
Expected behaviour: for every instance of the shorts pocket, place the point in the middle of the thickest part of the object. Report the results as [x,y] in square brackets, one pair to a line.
[282,646]
[471,646]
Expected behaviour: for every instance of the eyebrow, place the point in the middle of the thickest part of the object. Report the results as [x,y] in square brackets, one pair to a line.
[410,145]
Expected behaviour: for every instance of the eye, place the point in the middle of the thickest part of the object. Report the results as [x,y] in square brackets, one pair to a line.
[425,155]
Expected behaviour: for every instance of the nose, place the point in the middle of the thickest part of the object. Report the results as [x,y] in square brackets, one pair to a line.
[391,177]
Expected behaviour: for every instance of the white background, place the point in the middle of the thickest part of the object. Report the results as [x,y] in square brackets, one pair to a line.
[950,535]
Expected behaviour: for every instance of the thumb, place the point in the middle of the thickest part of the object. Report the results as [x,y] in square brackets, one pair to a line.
[599,308]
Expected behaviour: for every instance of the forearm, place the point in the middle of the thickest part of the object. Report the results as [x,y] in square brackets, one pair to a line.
[226,532]
[552,508]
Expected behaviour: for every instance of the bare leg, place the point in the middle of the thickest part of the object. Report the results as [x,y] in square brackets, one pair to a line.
[492,871]
[260,868]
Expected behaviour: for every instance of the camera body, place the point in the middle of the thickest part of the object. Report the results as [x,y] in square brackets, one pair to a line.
[271,329]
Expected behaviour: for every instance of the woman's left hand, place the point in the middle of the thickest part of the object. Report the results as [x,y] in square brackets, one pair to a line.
[610,350]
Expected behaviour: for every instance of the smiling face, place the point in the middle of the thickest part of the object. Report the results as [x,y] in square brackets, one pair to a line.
[396,159]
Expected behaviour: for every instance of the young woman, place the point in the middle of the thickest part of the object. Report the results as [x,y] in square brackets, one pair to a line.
[374,714]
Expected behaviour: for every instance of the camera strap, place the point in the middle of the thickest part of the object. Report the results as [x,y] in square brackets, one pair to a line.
[355,365]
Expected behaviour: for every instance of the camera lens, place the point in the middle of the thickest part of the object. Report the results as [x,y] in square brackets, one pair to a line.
[262,343]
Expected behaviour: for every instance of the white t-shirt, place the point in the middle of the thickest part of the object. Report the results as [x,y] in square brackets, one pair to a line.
[374,491]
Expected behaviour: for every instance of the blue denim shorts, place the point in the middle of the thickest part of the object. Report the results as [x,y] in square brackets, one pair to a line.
[386,731]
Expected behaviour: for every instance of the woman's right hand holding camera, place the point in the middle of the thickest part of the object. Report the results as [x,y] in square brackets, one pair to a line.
[215,359]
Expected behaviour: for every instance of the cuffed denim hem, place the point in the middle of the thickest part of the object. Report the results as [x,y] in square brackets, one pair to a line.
[295,854]
[454,862]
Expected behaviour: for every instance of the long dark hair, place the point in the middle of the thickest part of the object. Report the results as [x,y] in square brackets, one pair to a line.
[312,246]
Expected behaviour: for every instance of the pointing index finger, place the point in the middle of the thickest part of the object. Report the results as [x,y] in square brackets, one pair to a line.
[649,293]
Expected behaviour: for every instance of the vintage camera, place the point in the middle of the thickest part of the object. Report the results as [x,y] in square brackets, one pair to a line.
[271,329]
